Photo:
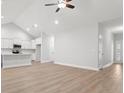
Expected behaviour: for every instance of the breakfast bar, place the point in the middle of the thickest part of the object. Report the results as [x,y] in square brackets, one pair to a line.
[15,60]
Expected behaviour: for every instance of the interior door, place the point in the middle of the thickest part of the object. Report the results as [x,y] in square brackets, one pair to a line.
[118,51]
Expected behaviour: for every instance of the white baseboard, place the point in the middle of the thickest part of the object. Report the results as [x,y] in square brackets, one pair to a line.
[46,61]
[19,65]
[77,66]
[108,65]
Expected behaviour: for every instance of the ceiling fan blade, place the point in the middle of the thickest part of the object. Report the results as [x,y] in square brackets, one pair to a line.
[51,4]
[68,0]
[70,6]
[57,10]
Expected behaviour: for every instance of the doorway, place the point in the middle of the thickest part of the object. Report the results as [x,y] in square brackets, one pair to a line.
[118,48]
[110,46]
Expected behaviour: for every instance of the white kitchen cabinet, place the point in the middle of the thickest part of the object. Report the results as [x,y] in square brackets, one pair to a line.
[17,41]
[23,44]
[6,43]
[10,43]
[29,44]
[26,44]
[3,43]
[33,44]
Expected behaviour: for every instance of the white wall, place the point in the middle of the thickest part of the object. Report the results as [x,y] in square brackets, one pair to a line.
[78,47]
[10,30]
[36,53]
[45,47]
[107,47]
[38,40]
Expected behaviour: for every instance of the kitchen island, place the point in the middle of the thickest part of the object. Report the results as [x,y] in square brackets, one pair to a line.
[15,60]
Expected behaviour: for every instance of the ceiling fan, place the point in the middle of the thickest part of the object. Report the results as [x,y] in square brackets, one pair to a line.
[62,4]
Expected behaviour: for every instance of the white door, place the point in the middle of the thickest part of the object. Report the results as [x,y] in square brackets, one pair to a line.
[38,52]
[118,54]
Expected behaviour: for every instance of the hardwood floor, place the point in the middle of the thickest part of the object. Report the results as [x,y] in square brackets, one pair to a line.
[52,78]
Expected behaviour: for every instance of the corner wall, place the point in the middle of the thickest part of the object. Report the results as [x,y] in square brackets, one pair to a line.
[78,47]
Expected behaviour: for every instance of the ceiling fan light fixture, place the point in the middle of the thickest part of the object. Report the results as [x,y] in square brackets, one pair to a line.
[62,5]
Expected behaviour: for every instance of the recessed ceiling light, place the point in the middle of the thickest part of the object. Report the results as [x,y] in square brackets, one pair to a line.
[100,36]
[28,29]
[56,22]
[35,25]
[2,17]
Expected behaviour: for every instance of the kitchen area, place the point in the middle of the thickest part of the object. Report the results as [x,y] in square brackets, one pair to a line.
[17,52]
[19,48]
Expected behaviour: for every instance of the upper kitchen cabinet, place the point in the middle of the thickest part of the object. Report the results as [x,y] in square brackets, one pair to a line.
[17,41]
[26,44]
[33,44]
[6,43]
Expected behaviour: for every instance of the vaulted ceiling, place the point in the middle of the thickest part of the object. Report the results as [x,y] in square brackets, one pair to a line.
[26,13]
